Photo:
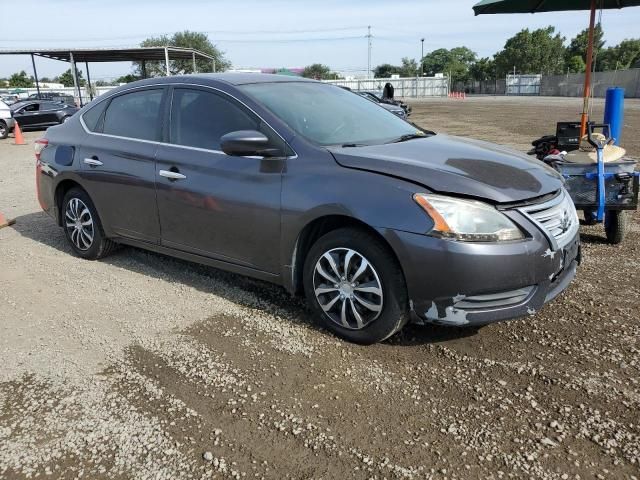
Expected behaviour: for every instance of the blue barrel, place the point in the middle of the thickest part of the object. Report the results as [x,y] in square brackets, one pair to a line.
[614,112]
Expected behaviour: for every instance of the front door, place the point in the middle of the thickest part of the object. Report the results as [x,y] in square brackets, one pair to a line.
[212,204]
[28,116]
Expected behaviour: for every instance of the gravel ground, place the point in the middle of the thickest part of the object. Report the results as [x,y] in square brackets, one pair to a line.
[142,366]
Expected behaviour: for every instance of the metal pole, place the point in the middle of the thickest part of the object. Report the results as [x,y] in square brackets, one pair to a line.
[421,57]
[193,56]
[144,68]
[587,77]
[74,74]
[369,52]
[213,60]
[166,59]
[35,74]
[86,64]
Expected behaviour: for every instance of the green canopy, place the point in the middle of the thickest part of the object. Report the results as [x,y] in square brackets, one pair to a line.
[534,6]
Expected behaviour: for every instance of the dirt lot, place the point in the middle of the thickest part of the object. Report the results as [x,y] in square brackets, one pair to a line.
[141,366]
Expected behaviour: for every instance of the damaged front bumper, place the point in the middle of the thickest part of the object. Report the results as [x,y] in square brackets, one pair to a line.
[464,284]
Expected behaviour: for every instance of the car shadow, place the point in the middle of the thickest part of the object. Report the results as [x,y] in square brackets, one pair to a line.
[244,291]
[593,239]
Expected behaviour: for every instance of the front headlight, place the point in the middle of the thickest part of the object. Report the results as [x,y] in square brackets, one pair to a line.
[467,220]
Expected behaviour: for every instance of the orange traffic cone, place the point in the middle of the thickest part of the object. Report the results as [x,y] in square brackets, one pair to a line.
[17,133]
[5,222]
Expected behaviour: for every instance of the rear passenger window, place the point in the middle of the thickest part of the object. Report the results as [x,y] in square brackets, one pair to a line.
[200,118]
[134,115]
[93,116]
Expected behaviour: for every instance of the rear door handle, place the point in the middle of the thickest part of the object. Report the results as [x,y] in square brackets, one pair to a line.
[171,175]
[94,162]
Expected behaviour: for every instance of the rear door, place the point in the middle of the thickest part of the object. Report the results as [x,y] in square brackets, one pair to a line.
[118,162]
[222,207]
[49,112]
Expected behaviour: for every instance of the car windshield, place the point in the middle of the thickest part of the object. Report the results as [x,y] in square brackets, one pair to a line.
[329,115]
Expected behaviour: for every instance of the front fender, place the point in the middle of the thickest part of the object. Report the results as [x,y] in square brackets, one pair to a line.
[314,188]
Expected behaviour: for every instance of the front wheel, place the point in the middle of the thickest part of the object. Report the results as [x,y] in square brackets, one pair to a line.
[4,130]
[590,217]
[354,283]
[82,226]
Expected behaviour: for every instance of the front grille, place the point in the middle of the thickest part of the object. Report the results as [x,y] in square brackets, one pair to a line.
[494,300]
[557,218]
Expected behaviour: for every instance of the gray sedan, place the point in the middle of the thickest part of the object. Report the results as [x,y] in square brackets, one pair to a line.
[395,109]
[308,186]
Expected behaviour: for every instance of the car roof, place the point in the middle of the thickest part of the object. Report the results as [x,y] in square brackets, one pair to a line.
[213,78]
[237,78]
[30,102]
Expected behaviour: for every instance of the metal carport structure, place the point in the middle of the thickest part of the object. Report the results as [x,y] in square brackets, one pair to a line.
[90,55]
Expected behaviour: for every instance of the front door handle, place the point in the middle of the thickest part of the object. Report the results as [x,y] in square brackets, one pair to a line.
[94,162]
[171,175]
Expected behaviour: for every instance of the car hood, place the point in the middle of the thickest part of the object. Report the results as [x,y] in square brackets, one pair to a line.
[447,164]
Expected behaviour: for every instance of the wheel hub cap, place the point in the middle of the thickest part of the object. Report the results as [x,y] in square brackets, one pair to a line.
[79,224]
[348,288]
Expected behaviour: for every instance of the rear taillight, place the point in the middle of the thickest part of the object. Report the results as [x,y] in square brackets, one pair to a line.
[40,145]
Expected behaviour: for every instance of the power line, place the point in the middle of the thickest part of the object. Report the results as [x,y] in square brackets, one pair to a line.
[209,32]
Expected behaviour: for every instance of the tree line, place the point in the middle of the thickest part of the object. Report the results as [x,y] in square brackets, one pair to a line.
[528,51]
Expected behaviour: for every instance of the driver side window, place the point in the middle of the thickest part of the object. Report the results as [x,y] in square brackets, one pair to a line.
[200,118]
[34,107]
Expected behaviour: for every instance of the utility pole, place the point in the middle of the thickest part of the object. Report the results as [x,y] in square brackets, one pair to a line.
[421,57]
[369,53]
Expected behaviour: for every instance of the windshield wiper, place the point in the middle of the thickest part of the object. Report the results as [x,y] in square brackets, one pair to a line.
[408,136]
[349,145]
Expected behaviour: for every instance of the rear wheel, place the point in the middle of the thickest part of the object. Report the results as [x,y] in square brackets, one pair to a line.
[353,282]
[615,226]
[82,226]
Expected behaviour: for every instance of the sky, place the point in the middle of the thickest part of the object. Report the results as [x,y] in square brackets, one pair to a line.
[282,33]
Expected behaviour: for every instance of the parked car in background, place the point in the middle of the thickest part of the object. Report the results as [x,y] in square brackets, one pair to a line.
[9,99]
[395,109]
[41,113]
[377,96]
[308,186]
[54,96]
[6,120]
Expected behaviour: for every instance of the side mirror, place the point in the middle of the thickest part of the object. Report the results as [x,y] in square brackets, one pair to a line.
[247,143]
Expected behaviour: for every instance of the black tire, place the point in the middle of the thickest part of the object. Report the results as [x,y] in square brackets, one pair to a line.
[394,312]
[615,226]
[4,130]
[99,246]
[589,217]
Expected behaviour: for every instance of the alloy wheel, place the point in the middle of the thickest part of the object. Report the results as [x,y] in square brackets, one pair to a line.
[348,289]
[79,224]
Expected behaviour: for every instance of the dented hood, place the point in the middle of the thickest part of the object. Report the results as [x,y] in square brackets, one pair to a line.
[456,165]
